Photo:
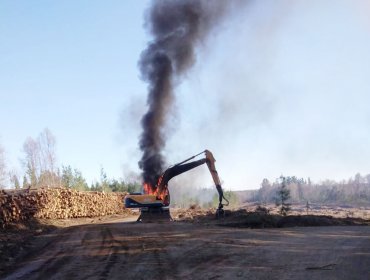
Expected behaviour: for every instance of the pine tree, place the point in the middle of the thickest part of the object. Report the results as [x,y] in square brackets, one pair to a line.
[104,181]
[25,183]
[67,176]
[307,207]
[15,181]
[283,195]
[79,181]
[73,179]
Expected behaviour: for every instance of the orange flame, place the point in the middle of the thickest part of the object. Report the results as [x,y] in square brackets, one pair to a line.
[161,194]
[149,189]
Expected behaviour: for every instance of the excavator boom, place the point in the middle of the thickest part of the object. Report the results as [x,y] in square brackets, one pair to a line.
[160,198]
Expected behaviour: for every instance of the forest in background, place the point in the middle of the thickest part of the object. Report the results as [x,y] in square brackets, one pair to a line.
[352,192]
[41,170]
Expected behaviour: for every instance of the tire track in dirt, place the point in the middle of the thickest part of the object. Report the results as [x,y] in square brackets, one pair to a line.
[191,251]
[112,257]
[38,262]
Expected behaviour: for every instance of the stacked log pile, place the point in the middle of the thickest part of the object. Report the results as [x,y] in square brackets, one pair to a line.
[57,203]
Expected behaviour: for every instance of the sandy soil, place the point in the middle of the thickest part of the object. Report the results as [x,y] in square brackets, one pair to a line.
[119,248]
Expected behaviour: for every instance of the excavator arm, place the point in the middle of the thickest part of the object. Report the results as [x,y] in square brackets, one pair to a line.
[160,197]
[182,167]
[212,169]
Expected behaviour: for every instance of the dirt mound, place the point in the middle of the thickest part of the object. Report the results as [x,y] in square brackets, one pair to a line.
[243,218]
[311,220]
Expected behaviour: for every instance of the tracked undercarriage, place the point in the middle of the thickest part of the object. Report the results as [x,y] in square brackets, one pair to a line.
[154,214]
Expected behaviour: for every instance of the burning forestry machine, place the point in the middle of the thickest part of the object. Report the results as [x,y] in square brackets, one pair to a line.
[154,203]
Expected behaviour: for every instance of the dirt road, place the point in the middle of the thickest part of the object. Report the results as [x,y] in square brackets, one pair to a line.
[122,249]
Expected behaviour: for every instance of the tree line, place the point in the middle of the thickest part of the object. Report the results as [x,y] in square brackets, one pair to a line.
[354,191]
[41,170]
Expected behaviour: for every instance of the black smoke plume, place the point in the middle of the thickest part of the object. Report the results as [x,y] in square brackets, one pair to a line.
[177,26]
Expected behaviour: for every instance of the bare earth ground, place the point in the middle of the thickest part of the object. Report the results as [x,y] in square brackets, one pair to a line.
[119,248]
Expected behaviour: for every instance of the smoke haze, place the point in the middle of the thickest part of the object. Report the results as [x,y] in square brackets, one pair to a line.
[177,27]
[282,91]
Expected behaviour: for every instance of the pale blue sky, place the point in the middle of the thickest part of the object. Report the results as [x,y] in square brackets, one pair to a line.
[282,87]
[70,66]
